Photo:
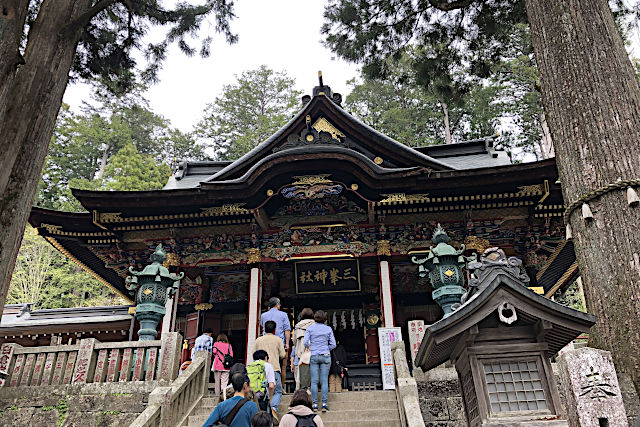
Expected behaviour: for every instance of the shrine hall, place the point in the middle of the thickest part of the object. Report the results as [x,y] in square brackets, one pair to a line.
[326,213]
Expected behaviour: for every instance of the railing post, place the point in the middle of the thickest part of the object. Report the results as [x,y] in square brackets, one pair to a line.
[85,361]
[406,388]
[170,358]
[6,355]
[204,385]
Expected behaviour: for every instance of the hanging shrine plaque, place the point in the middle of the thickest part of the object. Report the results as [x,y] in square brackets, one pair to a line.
[318,277]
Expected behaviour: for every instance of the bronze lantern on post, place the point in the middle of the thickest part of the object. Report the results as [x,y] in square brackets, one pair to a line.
[152,286]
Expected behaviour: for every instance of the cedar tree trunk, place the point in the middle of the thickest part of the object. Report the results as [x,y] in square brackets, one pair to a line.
[592,101]
[28,115]
[12,18]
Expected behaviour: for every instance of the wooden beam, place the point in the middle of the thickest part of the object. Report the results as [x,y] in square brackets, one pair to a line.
[542,328]
[261,218]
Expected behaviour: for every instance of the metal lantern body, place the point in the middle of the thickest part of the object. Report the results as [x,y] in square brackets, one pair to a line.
[444,264]
[152,287]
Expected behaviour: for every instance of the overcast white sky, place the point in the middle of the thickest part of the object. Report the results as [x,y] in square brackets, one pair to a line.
[282,34]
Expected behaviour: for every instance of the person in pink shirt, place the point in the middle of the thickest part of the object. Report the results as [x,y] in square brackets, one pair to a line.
[221,348]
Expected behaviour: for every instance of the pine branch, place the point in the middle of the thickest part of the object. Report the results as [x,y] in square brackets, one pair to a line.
[84,19]
[448,6]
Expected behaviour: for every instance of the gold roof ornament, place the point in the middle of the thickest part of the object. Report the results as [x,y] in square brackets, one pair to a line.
[324,125]
[311,179]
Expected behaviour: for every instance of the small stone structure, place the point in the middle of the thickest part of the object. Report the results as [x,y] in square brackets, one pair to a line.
[500,341]
[440,398]
[591,388]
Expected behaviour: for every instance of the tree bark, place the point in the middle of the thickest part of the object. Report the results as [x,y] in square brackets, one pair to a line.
[592,101]
[33,100]
[546,143]
[447,125]
[13,14]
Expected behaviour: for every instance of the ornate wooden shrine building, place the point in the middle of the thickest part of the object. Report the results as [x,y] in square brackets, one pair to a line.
[326,213]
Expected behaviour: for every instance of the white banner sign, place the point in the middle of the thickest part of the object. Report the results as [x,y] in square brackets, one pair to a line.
[385,337]
[416,332]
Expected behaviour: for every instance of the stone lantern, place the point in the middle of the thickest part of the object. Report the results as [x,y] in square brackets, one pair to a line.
[444,264]
[152,287]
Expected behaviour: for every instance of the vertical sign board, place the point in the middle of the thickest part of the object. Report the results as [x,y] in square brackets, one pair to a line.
[416,332]
[385,337]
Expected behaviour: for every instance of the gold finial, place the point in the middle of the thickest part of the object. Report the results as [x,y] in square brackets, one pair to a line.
[308,119]
[320,78]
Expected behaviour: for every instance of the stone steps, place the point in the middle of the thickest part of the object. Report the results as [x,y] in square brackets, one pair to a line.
[334,406]
[357,409]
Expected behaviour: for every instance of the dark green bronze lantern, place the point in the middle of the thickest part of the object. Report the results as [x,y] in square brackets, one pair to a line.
[444,264]
[152,287]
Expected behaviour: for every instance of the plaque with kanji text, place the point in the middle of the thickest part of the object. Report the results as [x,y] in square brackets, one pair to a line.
[318,277]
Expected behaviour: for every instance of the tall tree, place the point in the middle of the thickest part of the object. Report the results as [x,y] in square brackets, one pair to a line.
[97,38]
[248,111]
[44,277]
[592,103]
[84,144]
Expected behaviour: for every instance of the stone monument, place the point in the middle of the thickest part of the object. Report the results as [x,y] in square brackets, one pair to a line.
[592,391]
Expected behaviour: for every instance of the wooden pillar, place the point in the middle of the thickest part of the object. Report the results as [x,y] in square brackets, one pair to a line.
[255,295]
[384,271]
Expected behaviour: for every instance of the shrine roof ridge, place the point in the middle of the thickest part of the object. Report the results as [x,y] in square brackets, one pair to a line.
[265,146]
[463,318]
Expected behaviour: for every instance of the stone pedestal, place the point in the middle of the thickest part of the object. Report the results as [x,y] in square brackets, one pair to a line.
[593,397]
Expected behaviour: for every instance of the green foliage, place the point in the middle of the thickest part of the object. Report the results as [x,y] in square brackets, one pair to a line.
[45,277]
[112,40]
[248,111]
[475,56]
[412,112]
[129,170]
[572,297]
[84,144]
[63,410]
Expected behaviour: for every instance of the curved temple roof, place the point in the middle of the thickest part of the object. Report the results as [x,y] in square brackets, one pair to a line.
[321,139]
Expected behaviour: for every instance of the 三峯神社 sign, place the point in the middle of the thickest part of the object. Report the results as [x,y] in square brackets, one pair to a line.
[315,277]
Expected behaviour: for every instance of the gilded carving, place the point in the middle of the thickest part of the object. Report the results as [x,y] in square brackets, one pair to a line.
[311,179]
[110,217]
[323,124]
[476,243]
[531,189]
[51,229]
[203,306]
[383,248]
[173,260]
[404,198]
[254,255]
[233,208]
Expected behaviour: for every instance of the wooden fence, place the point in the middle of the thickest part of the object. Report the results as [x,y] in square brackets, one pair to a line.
[90,361]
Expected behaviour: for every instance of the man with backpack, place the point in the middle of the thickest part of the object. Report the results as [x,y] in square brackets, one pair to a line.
[262,379]
[237,411]
[274,347]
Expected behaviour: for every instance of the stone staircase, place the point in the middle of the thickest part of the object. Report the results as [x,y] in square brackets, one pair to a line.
[353,408]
